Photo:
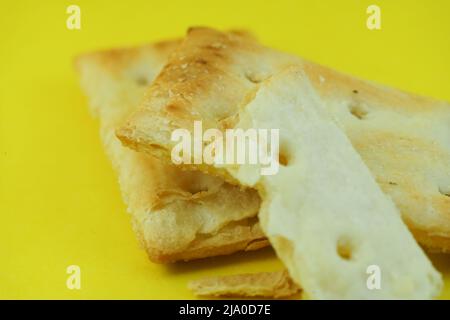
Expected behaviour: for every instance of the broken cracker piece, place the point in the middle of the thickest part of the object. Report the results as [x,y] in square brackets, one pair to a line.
[263,284]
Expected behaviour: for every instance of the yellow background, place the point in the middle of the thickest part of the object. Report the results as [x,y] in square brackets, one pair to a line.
[59,199]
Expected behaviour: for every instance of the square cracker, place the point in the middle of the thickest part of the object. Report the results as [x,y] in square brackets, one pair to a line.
[177,215]
[404,139]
